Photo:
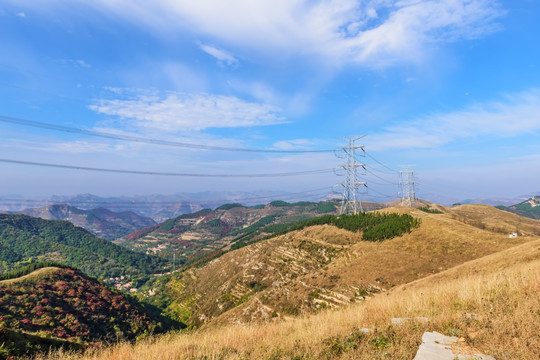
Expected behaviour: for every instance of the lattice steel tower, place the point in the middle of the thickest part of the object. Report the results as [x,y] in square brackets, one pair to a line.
[407,187]
[350,202]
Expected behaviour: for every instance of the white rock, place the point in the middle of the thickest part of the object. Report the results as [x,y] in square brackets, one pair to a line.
[436,346]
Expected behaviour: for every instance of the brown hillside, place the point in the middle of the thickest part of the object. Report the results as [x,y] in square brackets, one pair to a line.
[323,266]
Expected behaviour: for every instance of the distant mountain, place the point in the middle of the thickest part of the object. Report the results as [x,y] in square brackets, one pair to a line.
[529,208]
[101,222]
[62,307]
[156,206]
[209,232]
[26,239]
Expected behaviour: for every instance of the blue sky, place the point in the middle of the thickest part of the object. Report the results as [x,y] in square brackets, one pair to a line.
[449,86]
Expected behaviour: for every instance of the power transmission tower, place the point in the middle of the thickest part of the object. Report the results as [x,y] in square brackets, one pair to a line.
[407,187]
[350,202]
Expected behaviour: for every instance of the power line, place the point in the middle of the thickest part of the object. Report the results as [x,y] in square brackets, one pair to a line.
[107,135]
[381,194]
[137,172]
[383,179]
[380,163]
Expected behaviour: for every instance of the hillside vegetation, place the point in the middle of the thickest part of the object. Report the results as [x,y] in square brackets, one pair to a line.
[24,239]
[491,303]
[62,307]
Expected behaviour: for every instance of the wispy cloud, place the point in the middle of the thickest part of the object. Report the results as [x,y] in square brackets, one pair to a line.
[74,62]
[292,144]
[173,111]
[222,56]
[373,32]
[515,115]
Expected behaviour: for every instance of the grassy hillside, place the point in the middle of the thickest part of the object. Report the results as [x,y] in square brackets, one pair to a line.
[26,239]
[491,303]
[324,266]
[63,307]
[101,222]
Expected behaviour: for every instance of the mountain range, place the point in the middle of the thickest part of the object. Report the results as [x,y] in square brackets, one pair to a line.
[285,265]
[101,222]
[156,206]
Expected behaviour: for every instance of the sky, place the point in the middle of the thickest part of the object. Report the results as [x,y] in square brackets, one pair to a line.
[450,88]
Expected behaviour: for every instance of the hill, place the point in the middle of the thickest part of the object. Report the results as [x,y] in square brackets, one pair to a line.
[101,222]
[207,232]
[25,239]
[323,266]
[62,307]
[490,303]
[529,208]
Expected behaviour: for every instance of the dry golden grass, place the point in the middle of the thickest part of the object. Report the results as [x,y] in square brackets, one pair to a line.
[491,302]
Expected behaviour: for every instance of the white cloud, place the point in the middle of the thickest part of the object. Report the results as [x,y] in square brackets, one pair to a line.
[373,32]
[21,14]
[178,112]
[518,114]
[222,56]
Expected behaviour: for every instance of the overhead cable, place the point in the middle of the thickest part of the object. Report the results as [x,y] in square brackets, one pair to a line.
[381,194]
[383,179]
[380,163]
[137,172]
[107,135]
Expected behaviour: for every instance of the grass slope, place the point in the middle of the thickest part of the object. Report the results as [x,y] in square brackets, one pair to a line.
[491,303]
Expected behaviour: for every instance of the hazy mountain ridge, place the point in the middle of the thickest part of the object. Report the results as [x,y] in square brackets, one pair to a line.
[101,222]
[159,207]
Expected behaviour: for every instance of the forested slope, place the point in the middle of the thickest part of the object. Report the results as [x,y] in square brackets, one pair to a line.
[25,239]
